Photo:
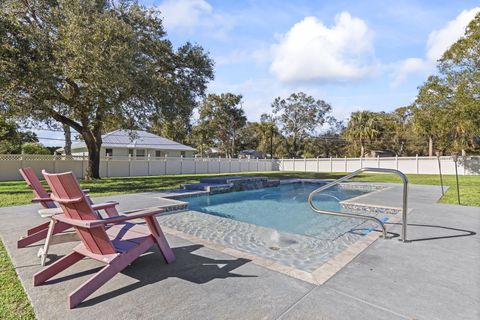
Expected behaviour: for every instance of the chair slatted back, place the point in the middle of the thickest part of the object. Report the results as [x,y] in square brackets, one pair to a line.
[76,205]
[34,183]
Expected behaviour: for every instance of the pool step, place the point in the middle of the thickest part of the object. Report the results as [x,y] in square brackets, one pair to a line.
[212,188]
[231,183]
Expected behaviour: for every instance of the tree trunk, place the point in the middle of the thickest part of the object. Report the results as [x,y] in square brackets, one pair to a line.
[271,143]
[430,146]
[68,140]
[93,147]
[362,150]
[294,146]
[233,142]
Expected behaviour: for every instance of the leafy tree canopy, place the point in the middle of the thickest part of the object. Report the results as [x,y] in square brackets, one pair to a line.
[87,64]
[298,116]
[223,116]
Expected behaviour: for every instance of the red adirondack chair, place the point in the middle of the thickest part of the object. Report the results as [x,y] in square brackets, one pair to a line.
[48,229]
[117,246]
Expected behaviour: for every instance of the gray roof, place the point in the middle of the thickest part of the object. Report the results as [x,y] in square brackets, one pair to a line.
[136,139]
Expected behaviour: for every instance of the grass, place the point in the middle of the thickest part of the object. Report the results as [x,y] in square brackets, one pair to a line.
[16,193]
[14,303]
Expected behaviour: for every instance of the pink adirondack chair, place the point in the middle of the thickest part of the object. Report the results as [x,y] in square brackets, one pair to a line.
[117,246]
[48,229]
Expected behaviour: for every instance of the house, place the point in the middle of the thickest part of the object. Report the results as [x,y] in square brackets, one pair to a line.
[252,154]
[135,143]
[382,153]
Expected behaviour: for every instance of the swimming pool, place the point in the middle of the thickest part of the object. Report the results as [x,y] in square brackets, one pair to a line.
[283,208]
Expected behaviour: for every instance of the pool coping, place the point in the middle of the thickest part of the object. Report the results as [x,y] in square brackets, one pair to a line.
[325,271]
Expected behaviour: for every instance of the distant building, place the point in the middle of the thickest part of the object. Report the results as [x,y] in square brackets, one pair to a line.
[251,154]
[122,143]
[382,153]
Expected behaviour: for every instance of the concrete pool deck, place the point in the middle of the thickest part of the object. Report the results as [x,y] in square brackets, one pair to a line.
[436,276]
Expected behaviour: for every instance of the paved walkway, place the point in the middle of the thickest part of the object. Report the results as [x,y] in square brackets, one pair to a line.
[436,276]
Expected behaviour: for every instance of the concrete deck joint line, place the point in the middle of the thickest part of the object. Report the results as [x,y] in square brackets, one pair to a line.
[370,303]
[296,303]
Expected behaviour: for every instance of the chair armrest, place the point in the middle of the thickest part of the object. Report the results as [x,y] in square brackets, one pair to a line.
[104,205]
[86,190]
[117,219]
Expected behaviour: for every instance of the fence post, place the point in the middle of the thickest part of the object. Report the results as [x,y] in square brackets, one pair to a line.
[195,165]
[165,164]
[22,164]
[107,163]
[378,161]
[83,163]
[396,161]
[208,164]
[346,164]
[305,163]
[219,164]
[331,165]
[129,165]
[416,162]
[257,165]
[294,169]
[148,164]
[55,165]
[229,164]
[181,164]
[361,162]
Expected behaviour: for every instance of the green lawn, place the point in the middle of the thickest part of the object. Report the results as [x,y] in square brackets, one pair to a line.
[14,303]
[16,193]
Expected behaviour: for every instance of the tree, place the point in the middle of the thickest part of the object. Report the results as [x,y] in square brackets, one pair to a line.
[270,134]
[67,133]
[11,139]
[362,129]
[327,144]
[86,64]
[460,69]
[34,148]
[201,137]
[224,117]
[299,115]
[429,112]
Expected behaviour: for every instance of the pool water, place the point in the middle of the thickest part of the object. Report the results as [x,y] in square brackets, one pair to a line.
[283,208]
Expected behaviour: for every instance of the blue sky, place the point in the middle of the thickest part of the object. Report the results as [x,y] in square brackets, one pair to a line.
[353,54]
[356,55]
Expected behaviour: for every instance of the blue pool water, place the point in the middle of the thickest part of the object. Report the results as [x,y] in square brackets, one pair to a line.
[283,208]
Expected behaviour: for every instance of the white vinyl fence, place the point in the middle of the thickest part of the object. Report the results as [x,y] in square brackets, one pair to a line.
[412,165]
[129,166]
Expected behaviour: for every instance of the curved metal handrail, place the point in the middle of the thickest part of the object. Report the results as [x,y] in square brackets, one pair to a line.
[359,216]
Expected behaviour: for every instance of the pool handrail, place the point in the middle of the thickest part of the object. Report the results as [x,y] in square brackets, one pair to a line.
[359,216]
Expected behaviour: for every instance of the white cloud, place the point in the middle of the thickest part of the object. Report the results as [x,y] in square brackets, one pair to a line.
[190,15]
[311,51]
[183,13]
[438,42]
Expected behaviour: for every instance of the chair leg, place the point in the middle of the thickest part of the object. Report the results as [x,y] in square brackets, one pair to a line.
[38,228]
[160,239]
[92,284]
[107,272]
[56,267]
[43,251]
[40,235]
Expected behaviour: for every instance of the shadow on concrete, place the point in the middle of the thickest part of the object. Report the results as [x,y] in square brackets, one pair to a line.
[464,233]
[150,268]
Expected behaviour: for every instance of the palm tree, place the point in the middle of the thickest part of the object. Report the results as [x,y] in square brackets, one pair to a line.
[362,129]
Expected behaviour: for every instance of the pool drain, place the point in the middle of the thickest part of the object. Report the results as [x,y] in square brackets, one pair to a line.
[274,248]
